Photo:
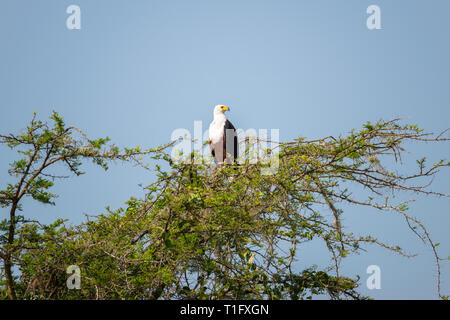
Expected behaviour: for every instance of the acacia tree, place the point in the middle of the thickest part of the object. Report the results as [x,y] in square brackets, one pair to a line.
[207,232]
[42,146]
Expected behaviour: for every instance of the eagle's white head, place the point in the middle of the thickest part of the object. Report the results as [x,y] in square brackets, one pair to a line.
[220,109]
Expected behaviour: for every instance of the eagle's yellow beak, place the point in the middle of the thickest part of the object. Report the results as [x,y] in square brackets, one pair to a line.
[225,108]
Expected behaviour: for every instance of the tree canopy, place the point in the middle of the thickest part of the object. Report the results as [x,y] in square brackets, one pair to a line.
[204,231]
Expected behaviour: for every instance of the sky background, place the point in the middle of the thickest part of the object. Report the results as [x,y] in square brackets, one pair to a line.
[137,70]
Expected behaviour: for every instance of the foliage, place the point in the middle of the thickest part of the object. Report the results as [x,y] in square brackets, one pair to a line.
[41,147]
[207,232]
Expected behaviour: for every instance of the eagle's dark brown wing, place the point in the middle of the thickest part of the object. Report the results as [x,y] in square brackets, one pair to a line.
[230,131]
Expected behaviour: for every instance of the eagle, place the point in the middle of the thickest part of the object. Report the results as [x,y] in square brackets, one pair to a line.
[222,137]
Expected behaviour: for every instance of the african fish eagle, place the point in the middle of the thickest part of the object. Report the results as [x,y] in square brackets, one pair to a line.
[222,136]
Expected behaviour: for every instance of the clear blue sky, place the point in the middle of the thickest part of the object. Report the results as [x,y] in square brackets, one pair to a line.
[139,69]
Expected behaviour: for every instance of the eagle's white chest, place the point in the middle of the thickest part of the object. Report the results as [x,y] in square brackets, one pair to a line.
[216,129]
